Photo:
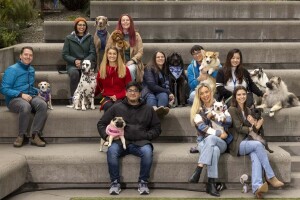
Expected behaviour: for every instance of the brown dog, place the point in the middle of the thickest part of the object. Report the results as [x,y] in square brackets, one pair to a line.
[119,42]
[101,36]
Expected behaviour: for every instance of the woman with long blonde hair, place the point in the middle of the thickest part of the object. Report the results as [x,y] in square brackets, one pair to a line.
[112,78]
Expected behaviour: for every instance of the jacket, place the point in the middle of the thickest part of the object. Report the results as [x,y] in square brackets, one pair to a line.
[142,123]
[18,78]
[74,49]
[112,84]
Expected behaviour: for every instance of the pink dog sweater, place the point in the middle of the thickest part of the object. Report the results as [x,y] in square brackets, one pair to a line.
[114,131]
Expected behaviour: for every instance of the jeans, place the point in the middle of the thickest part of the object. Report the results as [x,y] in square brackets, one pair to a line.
[132,68]
[37,105]
[74,75]
[191,98]
[259,159]
[115,151]
[161,99]
[210,149]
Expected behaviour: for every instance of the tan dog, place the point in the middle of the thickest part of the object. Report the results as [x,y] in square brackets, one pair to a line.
[101,36]
[45,93]
[119,42]
[210,62]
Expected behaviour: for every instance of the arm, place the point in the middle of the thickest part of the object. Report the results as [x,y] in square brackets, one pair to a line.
[126,79]
[215,73]
[104,121]
[99,87]
[203,127]
[8,80]
[251,85]
[237,122]
[139,47]
[192,80]
[149,79]
[220,83]
[66,53]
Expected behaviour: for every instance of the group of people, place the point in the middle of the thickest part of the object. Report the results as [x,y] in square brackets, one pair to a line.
[141,103]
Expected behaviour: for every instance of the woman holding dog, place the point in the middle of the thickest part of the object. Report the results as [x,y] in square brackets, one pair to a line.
[241,145]
[233,74]
[133,55]
[211,142]
[156,90]
[112,78]
[78,46]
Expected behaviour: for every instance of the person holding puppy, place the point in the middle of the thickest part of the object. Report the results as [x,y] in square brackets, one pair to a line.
[142,126]
[156,90]
[112,78]
[133,55]
[242,146]
[22,97]
[210,141]
[78,46]
[233,74]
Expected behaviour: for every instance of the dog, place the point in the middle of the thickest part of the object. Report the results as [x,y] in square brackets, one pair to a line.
[277,96]
[211,62]
[177,79]
[114,129]
[45,93]
[218,111]
[260,78]
[84,94]
[119,42]
[259,134]
[100,37]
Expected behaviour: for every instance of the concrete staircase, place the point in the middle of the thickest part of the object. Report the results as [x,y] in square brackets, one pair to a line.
[267,32]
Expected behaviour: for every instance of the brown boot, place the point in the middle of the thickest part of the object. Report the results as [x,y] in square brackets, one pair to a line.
[36,140]
[275,182]
[262,189]
[19,141]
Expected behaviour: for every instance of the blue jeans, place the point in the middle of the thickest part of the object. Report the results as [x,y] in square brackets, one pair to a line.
[161,99]
[210,149]
[115,151]
[259,159]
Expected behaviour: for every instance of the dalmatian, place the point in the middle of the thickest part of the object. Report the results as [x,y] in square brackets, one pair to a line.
[84,94]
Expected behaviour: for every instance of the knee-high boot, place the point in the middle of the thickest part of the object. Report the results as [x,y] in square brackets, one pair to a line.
[211,188]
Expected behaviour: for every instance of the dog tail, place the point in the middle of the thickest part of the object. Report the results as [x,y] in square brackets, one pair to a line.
[293,100]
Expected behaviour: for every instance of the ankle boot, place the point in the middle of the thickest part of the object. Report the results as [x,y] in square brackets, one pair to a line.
[211,188]
[275,182]
[196,175]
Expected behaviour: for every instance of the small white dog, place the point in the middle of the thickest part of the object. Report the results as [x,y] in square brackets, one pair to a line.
[45,93]
[113,130]
[218,111]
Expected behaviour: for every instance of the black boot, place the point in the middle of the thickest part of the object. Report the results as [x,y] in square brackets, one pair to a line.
[211,188]
[196,175]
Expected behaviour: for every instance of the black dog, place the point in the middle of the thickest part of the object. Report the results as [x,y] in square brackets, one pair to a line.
[177,78]
[258,134]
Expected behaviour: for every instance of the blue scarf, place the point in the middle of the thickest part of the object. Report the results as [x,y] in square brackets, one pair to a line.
[102,34]
[176,71]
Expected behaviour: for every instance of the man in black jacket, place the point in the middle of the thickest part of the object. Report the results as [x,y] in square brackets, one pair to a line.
[142,126]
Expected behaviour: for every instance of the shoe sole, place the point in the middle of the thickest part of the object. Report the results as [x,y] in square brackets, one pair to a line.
[34,144]
[143,192]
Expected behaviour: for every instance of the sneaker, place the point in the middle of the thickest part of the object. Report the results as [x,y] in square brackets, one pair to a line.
[143,188]
[19,141]
[37,141]
[115,188]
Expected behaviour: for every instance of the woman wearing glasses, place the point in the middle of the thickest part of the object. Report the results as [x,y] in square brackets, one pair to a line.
[78,46]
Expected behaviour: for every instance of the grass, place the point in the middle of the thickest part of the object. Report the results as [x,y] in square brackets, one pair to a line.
[149,198]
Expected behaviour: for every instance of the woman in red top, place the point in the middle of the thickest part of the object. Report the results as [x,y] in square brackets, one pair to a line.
[112,78]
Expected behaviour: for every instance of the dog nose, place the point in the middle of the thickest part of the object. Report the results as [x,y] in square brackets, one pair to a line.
[269,85]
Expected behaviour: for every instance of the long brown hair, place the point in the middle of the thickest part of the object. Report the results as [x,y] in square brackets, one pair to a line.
[227,66]
[234,102]
[120,64]
[152,63]
[131,30]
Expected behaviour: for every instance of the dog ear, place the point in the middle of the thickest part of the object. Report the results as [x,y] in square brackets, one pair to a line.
[216,54]
[106,20]
[48,85]
[279,80]
[96,20]
[40,84]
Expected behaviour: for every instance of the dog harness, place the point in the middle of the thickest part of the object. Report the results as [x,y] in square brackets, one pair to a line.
[102,34]
[45,94]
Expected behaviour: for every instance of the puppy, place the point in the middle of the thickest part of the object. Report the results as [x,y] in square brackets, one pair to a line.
[84,94]
[260,78]
[277,96]
[114,129]
[119,42]
[218,111]
[45,93]
[259,134]
[177,79]
[211,62]
[100,37]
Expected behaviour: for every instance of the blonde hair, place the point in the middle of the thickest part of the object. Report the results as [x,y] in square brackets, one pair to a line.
[197,103]
[120,64]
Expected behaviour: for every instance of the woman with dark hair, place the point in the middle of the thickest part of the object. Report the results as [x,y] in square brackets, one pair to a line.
[233,74]
[242,146]
[156,90]
[133,55]
[78,46]
[112,78]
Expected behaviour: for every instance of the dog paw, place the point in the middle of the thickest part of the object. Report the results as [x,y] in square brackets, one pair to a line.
[271,114]
[93,107]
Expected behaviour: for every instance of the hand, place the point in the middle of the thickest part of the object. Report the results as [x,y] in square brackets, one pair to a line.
[114,98]
[171,97]
[202,77]
[78,63]
[223,135]
[204,70]
[26,97]
[210,115]
[259,123]
[251,120]
[130,62]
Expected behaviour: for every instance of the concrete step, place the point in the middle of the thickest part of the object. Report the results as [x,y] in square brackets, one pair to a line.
[69,125]
[296,164]
[279,55]
[193,31]
[225,10]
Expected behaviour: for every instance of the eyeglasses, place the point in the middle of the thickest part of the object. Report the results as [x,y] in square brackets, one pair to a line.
[81,25]
[196,53]
[133,91]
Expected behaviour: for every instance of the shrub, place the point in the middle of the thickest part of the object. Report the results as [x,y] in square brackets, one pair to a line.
[8,37]
[74,4]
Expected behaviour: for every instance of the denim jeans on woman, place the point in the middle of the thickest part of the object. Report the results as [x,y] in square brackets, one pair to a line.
[210,149]
[259,159]
[115,151]
[160,99]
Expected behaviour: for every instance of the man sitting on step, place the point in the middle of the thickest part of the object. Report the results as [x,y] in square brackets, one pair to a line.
[142,126]
[22,97]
